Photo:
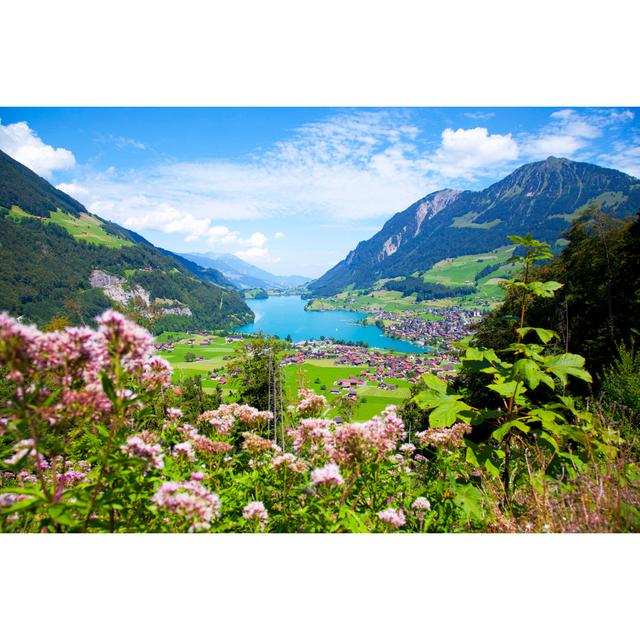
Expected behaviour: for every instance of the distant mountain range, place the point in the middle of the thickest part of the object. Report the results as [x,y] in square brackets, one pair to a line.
[57,259]
[244,275]
[541,197]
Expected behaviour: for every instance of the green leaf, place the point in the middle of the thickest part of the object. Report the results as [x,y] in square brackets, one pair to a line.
[107,386]
[491,468]
[543,435]
[545,335]
[505,389]
[499,433]
[434,383]
[21,505]
[447,412]
[544,289]
[471,457]
[529,372]
[567,364]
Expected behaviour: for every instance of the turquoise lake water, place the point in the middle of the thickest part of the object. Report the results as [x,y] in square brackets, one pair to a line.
[285,315]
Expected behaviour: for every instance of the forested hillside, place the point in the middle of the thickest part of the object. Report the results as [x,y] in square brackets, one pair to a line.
[50,246]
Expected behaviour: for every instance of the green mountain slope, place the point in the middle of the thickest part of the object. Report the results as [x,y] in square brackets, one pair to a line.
[58,259]
[541,197]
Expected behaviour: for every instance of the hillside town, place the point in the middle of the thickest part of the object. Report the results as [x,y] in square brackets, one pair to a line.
[453,324]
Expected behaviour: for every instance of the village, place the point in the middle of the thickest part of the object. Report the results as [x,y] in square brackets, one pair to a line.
[451,324]
[368,368]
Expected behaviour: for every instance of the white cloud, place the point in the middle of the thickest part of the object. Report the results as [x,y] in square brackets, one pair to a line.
[464,153]
[479,115]
[360,165]
[278,235]
[73,189]
[625,157]
[570,132]
[23,144]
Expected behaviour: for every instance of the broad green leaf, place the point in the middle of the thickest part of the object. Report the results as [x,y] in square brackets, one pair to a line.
[505,389]
[435,383]
[447,412]
[567,364]
[545,335]
[543,435]
[499,433]
[544,289]
[491,468]
[471,457]
[529,372]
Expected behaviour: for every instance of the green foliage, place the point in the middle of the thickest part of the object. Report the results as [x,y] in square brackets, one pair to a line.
[260,375]
[45,272]
[522,410]
[621,380]
[597,306]
[427,290]
[22,187]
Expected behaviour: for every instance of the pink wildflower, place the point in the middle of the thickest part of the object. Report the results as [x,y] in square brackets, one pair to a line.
[421,504]
[184,449]
[255,444]
[310,403]
[329,474]
[189,500]
[256,511]
[289,461]
[143,446]
[394,517]
[445,437]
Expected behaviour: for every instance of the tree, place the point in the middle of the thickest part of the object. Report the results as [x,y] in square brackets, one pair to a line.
[260,376]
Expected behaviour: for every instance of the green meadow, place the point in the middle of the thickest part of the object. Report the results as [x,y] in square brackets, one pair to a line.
[84,227]
[312,374]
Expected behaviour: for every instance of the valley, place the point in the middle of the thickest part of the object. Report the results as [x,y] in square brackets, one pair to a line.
[371,378]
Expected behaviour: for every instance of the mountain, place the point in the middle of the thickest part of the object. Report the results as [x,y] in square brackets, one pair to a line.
[58,259]
[244,275]
[541,197]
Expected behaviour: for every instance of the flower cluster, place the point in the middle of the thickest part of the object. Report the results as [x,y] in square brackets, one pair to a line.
[368,440]
[421,504]
[310,403]
[144,445]
[329,474]
[394,517]
[255,511]
[313,435]
[255,444]
[223,419]
[189,500]
[290,462]
[71,363]
[445,437]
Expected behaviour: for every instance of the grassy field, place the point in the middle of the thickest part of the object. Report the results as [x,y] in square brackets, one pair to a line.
[312,374]
[452,272]
[463,270]
[84,227]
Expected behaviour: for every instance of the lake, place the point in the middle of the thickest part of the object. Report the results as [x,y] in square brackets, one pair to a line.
[285,315]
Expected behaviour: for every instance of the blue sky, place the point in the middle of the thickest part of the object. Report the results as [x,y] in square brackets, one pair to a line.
[292,190]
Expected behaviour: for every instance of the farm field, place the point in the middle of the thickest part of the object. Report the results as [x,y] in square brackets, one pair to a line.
[453,272]
[84,227]
[463,270]
[325,372]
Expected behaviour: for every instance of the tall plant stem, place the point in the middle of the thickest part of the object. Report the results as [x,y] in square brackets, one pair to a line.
[105,460]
